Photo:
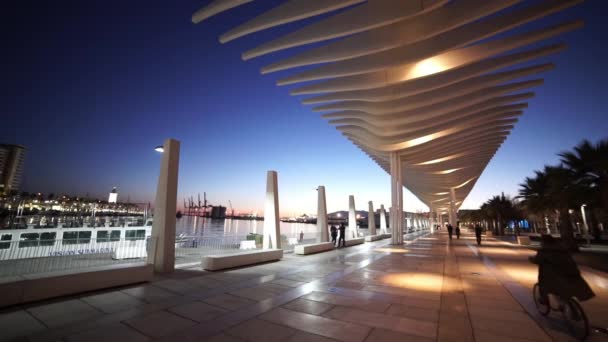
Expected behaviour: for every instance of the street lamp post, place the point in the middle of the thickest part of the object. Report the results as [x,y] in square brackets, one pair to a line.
[587,237]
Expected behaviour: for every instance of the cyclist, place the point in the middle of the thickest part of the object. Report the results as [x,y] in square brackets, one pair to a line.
[558,274]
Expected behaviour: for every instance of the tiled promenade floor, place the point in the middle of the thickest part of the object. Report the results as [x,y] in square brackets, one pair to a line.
[426,290]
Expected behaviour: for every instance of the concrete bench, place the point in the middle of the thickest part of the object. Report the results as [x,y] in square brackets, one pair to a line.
[523,240]
[371,238]
[313,248]
[220,262]
[489,233]
[292,241]
[247,244]
[353,242]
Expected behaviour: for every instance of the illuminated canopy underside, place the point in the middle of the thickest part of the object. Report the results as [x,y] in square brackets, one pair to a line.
[424,78]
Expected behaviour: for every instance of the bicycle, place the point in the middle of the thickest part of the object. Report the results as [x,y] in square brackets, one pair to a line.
[571,310]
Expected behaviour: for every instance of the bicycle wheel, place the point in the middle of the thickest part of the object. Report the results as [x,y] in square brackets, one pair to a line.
[542,306]
[576,319]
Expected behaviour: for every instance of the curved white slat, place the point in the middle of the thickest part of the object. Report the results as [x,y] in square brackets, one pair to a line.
[290,11]
[401,33]
[367,16]
[215,7]
[426,49]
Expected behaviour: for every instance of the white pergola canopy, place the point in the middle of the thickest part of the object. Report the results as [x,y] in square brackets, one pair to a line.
[424,82]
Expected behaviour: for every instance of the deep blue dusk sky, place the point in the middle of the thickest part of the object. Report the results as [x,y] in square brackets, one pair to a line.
[90,87]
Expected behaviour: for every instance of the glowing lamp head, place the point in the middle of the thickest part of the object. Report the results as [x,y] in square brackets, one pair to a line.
[159,149]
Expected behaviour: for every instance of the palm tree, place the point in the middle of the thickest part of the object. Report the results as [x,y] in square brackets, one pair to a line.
[499,208]
[589,164]
[563,193]
[535,194]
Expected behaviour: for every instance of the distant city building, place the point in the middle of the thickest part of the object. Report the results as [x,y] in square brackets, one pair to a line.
[11,167]
[113,196]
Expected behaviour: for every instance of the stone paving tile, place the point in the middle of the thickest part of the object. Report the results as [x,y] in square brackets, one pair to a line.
[301,336]
[198,311]
[349,284]
[484,336]
[149,293]
[400,291]
[254,293]
[383,335]
[276,288]
[207,282]
[336,299]
[259,330]
[114,332]
[308,306]
[159,324]
[342,331]
[228,301]
[222,338]
[377,320]
[179,286]
[504,315]
[61,313]
[510,304]
[519,329]
[407,311]
[288,282]
[18,323]
[111,302]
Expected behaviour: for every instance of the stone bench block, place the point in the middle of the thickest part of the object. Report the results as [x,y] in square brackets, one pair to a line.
[353,242]
[220,262]
[371,238]
[523,240]
[313,248]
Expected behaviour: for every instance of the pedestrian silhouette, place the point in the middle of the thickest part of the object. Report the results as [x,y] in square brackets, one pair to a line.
[450,229]
[334,234]
[342,235]
[478,234]
[458,231]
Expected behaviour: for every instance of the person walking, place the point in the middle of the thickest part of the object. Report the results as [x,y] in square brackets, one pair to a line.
[458,230]
[342,235]
[478,234]
[450,230]
[334,234]
[301,236]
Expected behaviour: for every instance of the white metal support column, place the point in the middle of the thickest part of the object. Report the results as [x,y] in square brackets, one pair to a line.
[453,207]
[272,235]
[371,220]
[431,219]
[165,206]
[352,218]
[382,220]
[322,214]
[396,200]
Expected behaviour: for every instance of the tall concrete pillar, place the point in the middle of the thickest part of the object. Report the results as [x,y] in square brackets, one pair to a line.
[162,253]
[453,207]
[352,218]
[397,217]
[371,220]
[382,219]
[322,214]
[272,232]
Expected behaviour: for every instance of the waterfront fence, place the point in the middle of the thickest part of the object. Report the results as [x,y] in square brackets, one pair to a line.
[24,257]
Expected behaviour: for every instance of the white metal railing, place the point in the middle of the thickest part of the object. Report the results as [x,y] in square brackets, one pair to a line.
[41,256]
